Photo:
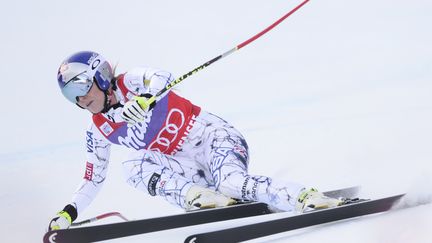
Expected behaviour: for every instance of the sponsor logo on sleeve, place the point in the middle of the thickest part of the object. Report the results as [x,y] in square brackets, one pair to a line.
[89,171]
[89,142]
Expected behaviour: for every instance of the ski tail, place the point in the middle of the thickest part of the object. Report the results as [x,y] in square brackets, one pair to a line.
[316,217]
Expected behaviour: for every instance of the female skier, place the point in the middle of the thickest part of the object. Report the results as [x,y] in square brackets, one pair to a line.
[190,157]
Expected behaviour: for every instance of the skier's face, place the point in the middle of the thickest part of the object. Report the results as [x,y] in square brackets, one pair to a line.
[93,101]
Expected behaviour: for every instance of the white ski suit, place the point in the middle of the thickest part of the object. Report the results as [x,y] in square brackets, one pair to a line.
[178,145]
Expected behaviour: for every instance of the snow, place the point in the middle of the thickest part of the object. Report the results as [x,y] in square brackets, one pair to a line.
[337,95]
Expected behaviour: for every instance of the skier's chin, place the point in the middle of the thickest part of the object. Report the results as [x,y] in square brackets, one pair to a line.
[97,111]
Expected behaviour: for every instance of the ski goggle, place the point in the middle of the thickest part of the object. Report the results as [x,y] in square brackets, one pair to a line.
[77,86]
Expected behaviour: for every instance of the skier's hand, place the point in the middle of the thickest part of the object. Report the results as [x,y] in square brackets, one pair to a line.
[136,109]
[62,221]
[312,199]
[199,197]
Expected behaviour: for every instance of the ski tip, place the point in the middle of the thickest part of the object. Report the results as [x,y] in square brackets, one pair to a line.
[191,239]
[50,237]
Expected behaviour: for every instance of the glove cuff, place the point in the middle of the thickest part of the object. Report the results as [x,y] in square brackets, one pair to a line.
[69,212]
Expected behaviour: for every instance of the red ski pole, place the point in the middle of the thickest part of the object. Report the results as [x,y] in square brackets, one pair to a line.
[146,103]
[99,217]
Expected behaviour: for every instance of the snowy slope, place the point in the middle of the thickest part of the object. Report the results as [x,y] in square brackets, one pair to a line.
[338,95]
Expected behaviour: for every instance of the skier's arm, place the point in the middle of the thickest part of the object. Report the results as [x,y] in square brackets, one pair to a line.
[97,151]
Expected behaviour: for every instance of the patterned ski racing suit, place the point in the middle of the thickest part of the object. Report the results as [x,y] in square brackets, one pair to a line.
[177,145]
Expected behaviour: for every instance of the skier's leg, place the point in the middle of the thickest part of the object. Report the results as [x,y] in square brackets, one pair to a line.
[171,178]
[228,169]
[144,170]
[228,155]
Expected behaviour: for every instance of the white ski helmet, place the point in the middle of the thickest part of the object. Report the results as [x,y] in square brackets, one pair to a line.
[79,71]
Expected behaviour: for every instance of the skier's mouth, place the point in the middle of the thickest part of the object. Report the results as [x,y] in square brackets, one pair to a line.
[89,104]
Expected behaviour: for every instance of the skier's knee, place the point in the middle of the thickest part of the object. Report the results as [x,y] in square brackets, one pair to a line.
[131,171]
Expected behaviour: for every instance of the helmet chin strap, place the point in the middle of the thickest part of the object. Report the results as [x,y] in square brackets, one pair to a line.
[107,102]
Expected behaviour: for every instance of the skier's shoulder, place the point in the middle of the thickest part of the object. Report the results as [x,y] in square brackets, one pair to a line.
[140,79]
[133,79]
[140,73]
[136,72]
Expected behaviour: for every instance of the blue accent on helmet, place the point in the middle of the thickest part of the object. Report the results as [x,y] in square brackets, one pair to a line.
[81,57]
[78,72]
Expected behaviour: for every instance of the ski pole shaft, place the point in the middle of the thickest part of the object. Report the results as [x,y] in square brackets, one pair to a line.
[99,217]
[238,47]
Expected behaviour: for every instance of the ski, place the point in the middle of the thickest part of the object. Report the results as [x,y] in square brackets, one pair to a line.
[118,230]
[257,230]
